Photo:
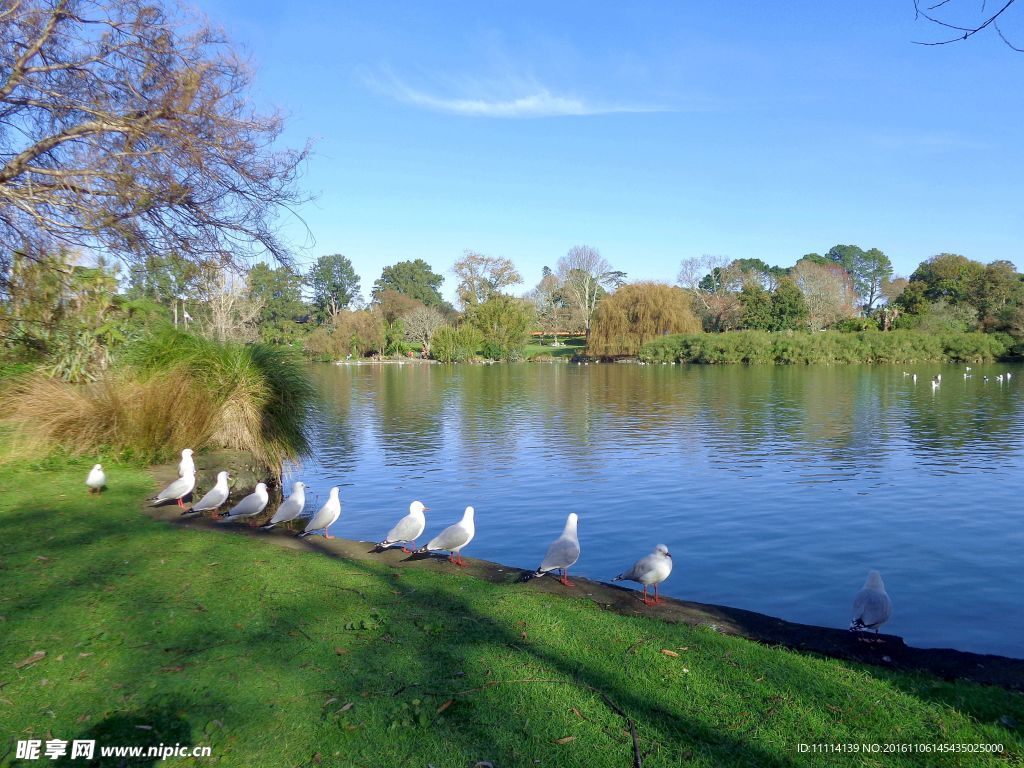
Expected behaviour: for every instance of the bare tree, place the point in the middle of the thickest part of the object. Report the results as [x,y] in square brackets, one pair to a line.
[420,324]
[125,128]
[967,28]
[714,283]
[828,292]
[482,276]
[585,277]
[549,303]
[233,315]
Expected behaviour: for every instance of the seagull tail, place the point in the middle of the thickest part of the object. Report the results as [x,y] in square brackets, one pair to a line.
[268,526]
[857,625]
[529,576]
[620,577]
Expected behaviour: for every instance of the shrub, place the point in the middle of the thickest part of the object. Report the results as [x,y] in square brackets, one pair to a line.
[454,345]
[827,347]
[637,313]
[172,390]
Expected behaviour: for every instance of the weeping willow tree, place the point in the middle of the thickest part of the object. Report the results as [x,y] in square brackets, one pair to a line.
[638,313]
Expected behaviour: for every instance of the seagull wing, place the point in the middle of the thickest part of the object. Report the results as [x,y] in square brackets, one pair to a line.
[249,506]
[871,608]
[213,499]
[453,536]
[322,519]
[641,569]
[288,510]
[408,528]
[177,489]
[562,553]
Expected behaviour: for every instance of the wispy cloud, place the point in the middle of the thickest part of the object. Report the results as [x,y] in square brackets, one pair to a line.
[529,102]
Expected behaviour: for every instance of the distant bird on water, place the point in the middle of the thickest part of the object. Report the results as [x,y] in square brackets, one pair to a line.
[177,490]
[186,466]
[326,516]
[248,507]
[215,497]
[453,538]
[914,377]
[650,571]
[562,553]
[871,606]
[291,507]
[96,479]
[408,529]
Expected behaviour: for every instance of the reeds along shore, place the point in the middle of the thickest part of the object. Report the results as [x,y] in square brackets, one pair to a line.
[798,348]
[247,397]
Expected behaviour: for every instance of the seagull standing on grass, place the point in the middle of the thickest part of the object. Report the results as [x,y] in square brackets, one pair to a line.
[290,508]
[871,606]
[408,529]
[96,479]
[186,466]
[177,490]
[650,570]
[250,506]
[326,517]
[563,552]
[215,497]
[453,538]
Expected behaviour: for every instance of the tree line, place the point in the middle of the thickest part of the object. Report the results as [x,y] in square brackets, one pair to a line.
[71,314]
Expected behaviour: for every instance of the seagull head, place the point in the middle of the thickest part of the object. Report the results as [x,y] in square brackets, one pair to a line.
[298,485]
[222,477]
[97,466]
[186,453]
[261,488]
[468,514]
[874,581]
[417,508]
[334,491]
[662,550]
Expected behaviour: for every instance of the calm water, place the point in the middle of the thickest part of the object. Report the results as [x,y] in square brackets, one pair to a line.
[775,488]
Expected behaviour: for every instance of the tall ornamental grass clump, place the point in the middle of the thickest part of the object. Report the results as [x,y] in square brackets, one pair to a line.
[171,390]
[826,347]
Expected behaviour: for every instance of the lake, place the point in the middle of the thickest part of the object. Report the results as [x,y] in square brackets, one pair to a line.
[775,488]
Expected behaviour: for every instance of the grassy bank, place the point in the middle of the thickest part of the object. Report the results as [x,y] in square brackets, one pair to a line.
[827,347]
[270,656]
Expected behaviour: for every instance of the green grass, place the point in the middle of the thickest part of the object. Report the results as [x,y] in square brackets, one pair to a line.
[275,657]
[571,345]
[827,347]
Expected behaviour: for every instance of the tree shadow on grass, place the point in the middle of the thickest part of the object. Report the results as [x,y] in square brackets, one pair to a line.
[356,660]
[158,726]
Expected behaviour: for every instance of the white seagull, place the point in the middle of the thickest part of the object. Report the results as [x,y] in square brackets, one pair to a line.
[871,606]
[291,507]
[215,497]
[563,552]
[177,490]
[186,466]
[250,506]
[96,479]
[408,529]
[650,570]
[325,518]
[453,538]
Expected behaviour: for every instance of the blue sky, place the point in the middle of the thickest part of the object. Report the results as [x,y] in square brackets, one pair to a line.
[655,134]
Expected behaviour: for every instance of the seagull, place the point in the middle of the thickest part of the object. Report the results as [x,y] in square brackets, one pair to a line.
[871,606]
[650,570]
[935,385]
[408,529]
[186,465]
[215,497]
[177,490]
[1009,375]
[250,506]
[905,374]
[914,376]
[96,479]
[291,507]
[453,538]
[967,376]
[967,368]
[938,377]
[999,378]
[563,552]
[325,518]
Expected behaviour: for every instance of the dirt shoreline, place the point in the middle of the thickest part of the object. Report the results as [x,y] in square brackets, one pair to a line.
[883,650]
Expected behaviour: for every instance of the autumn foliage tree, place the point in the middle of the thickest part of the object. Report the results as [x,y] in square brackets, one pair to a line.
[127,129]
[637,313]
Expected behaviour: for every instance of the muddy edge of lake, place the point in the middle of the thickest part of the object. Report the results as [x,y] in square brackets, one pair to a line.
[881,650]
